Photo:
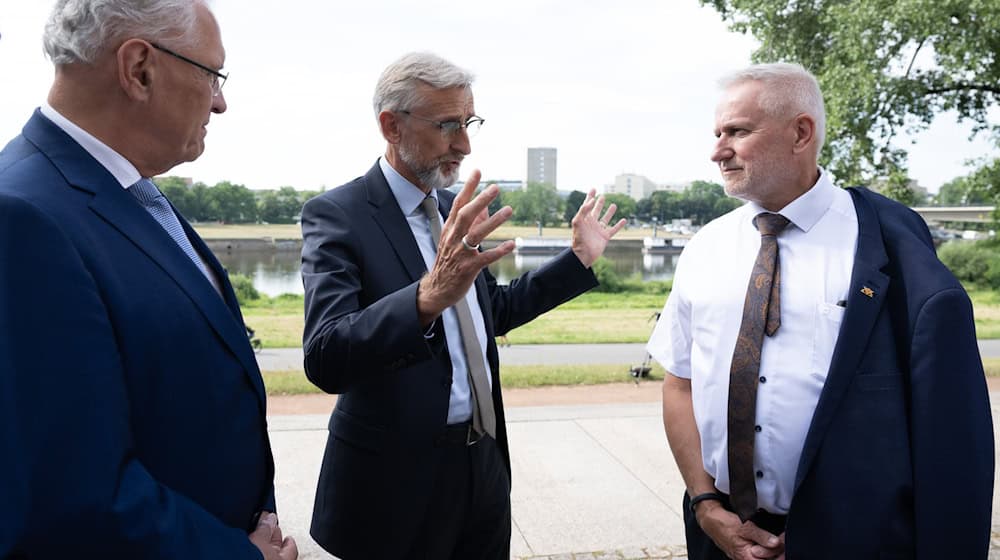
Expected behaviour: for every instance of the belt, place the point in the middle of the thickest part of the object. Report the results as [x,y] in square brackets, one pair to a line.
[459,434]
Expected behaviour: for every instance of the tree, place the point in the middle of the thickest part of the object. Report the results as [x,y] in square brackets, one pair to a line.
[234,204]
[704,201]
[884,66]
[538,203]
[573,203]
[178,193]
[280,207]
[625,203]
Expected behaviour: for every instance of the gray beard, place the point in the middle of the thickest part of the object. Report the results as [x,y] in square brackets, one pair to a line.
[430,177]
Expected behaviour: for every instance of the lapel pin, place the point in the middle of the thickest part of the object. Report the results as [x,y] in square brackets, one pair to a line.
[868,291]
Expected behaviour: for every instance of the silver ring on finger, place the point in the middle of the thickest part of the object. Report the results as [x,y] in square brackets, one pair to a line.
[469,246]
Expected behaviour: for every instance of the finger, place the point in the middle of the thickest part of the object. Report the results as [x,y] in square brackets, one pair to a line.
[598,206]
[618,227]
[763,552]
[289,550]
[610,213]
[465,216]
[481,230]
[588,203]
[267,519]
[752,532]
[491,256]
[469,189]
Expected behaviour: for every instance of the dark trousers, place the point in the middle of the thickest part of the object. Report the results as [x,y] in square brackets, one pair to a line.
[469,513]
[701,547]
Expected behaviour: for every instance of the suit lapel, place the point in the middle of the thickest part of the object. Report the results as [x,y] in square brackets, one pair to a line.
[119,209]
[388,216]
[866,297]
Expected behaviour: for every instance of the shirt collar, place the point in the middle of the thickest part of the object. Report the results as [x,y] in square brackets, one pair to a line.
[408,195]
[115,163]
[809,207]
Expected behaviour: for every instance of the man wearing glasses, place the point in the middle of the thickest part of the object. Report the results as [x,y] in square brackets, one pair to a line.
[138,426]
[401,316]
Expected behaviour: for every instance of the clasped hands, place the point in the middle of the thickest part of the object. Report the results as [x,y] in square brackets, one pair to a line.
[459,260]
[739,540]
[268,539]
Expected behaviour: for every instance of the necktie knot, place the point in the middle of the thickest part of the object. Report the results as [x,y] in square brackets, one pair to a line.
[770,224]
[145,191]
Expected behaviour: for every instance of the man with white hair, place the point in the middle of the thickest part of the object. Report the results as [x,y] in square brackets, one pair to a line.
[825,398]
[401,316]
[137,427]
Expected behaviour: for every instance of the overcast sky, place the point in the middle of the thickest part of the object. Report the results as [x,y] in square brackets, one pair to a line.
[625,86]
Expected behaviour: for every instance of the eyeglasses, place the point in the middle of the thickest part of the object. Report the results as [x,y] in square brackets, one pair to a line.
[218,78]
[450,128]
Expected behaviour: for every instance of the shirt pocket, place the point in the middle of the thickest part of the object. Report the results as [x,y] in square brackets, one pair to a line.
[829,317]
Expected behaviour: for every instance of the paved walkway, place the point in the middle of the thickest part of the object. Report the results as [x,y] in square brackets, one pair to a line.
[589,482]
[273,359]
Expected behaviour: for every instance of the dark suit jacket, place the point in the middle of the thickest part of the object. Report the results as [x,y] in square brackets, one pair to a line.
[138,424]
[898,461]
[360,267]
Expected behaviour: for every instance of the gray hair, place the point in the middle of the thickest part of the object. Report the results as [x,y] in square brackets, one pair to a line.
[397,87]
[791,89]
[80,30]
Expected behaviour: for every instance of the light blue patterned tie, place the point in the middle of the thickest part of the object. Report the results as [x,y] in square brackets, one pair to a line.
[145,191]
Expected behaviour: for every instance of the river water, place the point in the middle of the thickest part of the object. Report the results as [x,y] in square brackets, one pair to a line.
[277,272]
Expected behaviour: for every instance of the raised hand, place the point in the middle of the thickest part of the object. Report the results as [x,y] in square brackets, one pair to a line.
[459,259]
[591,230]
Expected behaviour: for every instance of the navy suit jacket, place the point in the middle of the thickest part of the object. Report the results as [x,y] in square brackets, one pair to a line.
[360,267]
[898,461]
[133,413]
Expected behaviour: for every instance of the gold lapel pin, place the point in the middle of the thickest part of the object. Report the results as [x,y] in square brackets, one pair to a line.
[868,291]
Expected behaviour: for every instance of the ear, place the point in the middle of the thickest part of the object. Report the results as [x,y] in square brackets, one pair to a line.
[804,127]
[135,68]
[390,124]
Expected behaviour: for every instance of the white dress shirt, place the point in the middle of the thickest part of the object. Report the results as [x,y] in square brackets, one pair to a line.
[696,334]
[409,197]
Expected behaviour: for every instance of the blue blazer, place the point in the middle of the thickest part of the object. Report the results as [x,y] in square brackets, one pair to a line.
[360,267]
[898,461]
[138,421]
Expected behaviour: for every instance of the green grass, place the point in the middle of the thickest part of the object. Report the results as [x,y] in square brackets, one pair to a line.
[294,382]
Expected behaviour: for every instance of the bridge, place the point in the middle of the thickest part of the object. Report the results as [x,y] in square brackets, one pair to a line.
[967,214]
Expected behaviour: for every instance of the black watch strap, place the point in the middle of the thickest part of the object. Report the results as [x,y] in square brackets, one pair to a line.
[705,497]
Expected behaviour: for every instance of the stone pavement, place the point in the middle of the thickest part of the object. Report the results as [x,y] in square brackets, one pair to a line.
[589,482]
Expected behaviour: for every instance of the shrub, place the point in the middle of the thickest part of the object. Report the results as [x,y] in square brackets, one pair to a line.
[610,280]
[243,286]
[975,263]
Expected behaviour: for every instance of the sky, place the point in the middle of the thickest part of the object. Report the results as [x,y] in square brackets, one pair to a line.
[617,87]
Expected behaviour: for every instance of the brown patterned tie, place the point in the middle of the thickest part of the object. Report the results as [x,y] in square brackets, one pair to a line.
[484,419]
[761,314]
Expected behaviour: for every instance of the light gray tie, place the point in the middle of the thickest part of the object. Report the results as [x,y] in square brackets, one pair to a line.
[145,191]
[484,418]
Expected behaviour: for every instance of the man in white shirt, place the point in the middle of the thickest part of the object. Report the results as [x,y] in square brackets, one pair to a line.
[801,403]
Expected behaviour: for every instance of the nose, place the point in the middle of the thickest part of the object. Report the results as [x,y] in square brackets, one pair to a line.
[219,103]
[721,151]
[460,142]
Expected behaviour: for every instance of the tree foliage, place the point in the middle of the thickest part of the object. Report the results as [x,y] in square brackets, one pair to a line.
[539,202]
[885,66]
[702,202]
[573,203]
[625,203]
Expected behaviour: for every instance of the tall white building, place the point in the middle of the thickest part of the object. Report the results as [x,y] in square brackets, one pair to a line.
[638,186]
[541,166]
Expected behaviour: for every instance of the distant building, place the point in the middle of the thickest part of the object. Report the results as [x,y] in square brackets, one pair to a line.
[542,166]
[505,184]
[639,187]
